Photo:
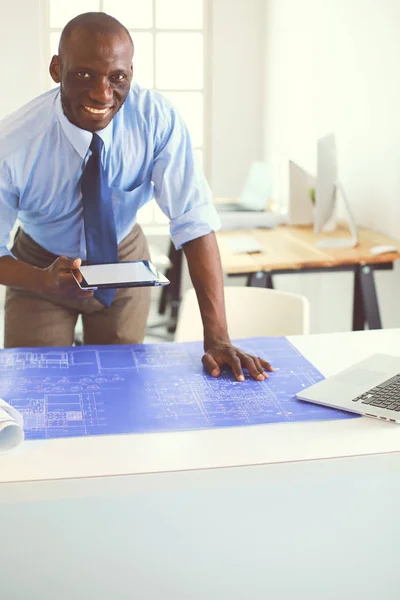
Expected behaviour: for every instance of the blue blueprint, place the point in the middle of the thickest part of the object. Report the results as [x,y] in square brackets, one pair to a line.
[98,390]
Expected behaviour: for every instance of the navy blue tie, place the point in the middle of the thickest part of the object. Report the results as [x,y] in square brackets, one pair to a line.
[98,216]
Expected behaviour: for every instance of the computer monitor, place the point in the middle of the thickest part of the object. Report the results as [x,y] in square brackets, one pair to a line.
[326,194]
[256,191]
[300,201]
[257,187]
[327,176]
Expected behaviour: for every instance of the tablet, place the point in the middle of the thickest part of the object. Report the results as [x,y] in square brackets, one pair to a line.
[137,273]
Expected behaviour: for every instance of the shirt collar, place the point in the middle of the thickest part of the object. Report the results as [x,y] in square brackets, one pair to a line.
[80,138]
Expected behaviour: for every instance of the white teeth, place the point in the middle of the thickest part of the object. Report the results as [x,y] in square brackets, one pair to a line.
[95,111]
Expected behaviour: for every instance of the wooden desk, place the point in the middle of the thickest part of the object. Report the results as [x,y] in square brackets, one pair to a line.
[293,250]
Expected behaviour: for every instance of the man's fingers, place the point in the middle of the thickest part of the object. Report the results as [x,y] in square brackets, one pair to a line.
[71,288]
[234,361]
[84,295]
[78,276]
[63,262]
[80,294]
[250,363]
[266,365]
[259,367]
[67,280]
[77,263]
[211,365]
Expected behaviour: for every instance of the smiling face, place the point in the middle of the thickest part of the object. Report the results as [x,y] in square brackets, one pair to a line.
[94,71]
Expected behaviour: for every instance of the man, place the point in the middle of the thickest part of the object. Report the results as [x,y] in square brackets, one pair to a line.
[76,164]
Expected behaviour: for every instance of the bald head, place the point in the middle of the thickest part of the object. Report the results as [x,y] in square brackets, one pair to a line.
[92,24]
[94,69]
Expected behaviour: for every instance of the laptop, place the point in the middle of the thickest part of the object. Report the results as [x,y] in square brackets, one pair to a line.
[255,194]
[370,388]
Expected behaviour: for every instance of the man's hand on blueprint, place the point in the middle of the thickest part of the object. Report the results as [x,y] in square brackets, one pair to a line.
[204,263]
[219,354]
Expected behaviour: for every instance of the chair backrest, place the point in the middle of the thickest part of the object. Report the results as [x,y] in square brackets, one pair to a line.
[250,311]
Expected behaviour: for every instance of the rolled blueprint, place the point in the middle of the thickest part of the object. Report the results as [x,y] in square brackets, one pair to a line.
[11,427]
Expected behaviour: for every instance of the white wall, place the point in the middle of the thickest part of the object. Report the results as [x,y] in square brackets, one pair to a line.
[22,65]
[332,65]
[23,72]
[236,80]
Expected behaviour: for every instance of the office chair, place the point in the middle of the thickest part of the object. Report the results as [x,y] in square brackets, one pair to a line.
[251,312]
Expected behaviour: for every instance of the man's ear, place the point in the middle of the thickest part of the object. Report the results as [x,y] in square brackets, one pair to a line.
[55,69]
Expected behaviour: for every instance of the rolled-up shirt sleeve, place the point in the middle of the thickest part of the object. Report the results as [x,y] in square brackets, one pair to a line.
[180,187]
[8,209]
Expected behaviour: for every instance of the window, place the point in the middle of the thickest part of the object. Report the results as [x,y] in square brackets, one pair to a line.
[159,29]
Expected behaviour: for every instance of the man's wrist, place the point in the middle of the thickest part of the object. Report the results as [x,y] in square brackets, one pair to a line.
[18,274]
[214,337]
[39,281]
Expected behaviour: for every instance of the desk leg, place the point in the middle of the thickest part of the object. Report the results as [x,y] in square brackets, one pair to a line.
[171,294]
[175,288]
[162,304]
[365,303]
[165,292]
[261,279]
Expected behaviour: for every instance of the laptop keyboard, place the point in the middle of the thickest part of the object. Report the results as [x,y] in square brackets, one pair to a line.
[386,395]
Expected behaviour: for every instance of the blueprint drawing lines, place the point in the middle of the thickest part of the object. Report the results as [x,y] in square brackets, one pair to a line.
[99,390]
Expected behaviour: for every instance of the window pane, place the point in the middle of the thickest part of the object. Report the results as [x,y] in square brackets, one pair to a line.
[143,72]
[62,11]
[136,14]
[190,107]
[179,61]
[179,14]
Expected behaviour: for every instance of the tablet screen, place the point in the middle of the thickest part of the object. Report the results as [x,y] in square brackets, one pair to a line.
[117,273]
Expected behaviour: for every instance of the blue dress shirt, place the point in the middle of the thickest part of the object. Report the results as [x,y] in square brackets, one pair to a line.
[147,154]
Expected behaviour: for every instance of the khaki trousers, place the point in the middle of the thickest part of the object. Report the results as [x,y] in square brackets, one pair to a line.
[36,320]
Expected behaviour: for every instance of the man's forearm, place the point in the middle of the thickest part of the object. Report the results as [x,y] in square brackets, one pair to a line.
[205,270]
[16,273]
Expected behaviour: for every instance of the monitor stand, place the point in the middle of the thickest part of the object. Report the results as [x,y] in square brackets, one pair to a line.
[347,242]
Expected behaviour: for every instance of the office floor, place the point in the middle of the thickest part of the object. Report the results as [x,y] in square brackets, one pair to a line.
[154,335]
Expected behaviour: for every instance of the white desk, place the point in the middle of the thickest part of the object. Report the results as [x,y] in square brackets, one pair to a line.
[172,515]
